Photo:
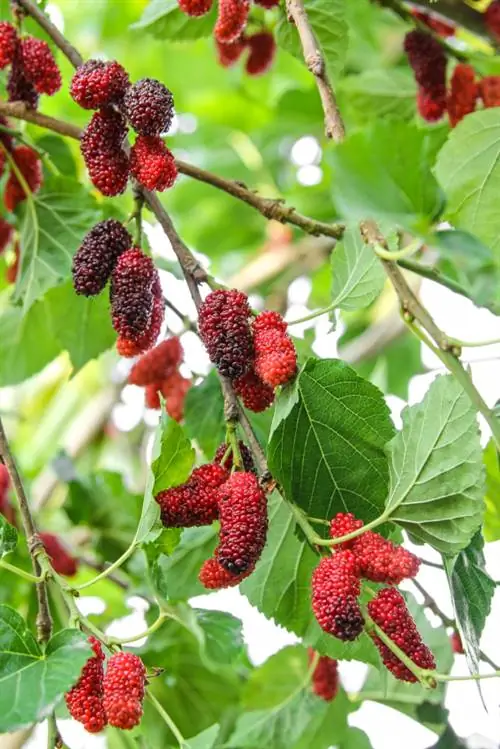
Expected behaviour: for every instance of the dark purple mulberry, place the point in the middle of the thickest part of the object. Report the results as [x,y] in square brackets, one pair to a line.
[131,293]
[19,88]
[224,329]
[149,106]
[97,256]
[103,153]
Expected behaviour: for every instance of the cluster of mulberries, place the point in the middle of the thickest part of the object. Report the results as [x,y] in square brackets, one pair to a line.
[60,558]
[33,69]
[147,106]
[158,372]
[196,501]
[257,356]
[428,61]
[114,697]
[6,509]
[325,677]
[230,38]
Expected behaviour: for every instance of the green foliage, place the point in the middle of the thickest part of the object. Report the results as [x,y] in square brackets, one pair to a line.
[8,537]
[492,510]
[204,415]
[164,20]
[358,276]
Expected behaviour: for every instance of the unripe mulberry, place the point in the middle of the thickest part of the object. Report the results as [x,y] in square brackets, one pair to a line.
[255,394]
[101,145]
[388,610]
[229,54]
[13,269]
[195,502]
[225,331]
[124,683]
[262,52]
[62,562]
[213,576]
[325,678]
[85,699]
[428,61]
[149,107]
[195,7]
[40,66]
[335,591]
[243,523]
[492,19]
[19,88]
[8,44]
[275,355]
[127,347]
[456,643]
[131,293]
[489,91]
[6,230]
[463,93]
[97,256]
[158,363]
[152,163]
[245,454]
[232,19]
[97,83]
[29,164]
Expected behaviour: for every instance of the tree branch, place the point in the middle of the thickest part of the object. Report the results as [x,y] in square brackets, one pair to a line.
[52,31]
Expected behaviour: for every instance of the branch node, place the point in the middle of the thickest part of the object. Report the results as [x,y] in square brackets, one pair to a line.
[315,64]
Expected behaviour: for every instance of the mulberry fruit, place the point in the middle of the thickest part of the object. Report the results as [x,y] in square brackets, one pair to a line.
[463,93]
[229,54]
[40,66]
[492,19]
[4,479]
[152,395]
[6,508]
[6,230]
[255,394]
[439,26]
[195,7]
[101,145]
[29,164]
[245,454]
[85,699]
[428,61]
[158,363]
[149,107]
[430,108]
[275,356]
[13,270]
[19,88]
[341,525]
[127,347]
[97,256]
[8,44]
[195,502]
[388,610]
[62,562]
[456,643]
[243,523]
[489,91]
[262,52]
[225,331]
[325,678]
[131,293]
[175,389]
[152,164]
[213,576]
[124,683]
[335,591]
[231,21]
[98,83]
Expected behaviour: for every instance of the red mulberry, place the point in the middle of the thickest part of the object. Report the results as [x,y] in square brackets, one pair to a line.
[6,230]
[463,93]
[174,390]
[492,19]
[388,610]
[275,356]
[85,699]
[98,83]
[428,61]
[131,294]
[262,52]
[430,108]
[325,678]
[62,562]
[229,54]
[232,19]
[97,256]
[40,66]
[255,394]
[158,363]
[8,44]
[102,150]
[224,329]
[29,164]
[149,106]
[243,523]
[213,576]
[124,683]
[246,457]
[435,23]
[489,91]
[335,591]
[152,164]
[195,7]
[6,508]
[195,502]
[456,643]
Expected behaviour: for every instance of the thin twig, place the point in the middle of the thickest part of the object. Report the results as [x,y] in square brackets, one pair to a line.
[52,31]
[433,275]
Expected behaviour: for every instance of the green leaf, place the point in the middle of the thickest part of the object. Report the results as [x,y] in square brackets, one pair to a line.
[328,453]
[32,683]
[164,20]
[205,739]
[356,739]
[327,18]
[59,153]
[176,459]
[437,477]
[176,577]
[358,275]
[384,172]
[381,93]
[472,591]
[223,637]
[8,537]
[491,528]
[468,170]
[204,415]
[277,678]
[52,226]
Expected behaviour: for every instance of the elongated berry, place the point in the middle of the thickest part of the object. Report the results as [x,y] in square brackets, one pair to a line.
[232,19]
[158,363]
[102,149]
[275,356]
[152,164]
[214,577]
[195,7]
[128,347]
[243,523]
[335,591]
[97,83]
[229,54]
[255,394]
[40,67]
[85,699]
[29,164]
[19,88]
[124,683]
[98,254]
[262,51]
[463,93]
[60,558]
[428,60]
[456,643]
[325,678]
[225,331]
[489,91]
[149,107]
[174,389]
[8,43]
[131,293]
[388,610]
[194,502]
